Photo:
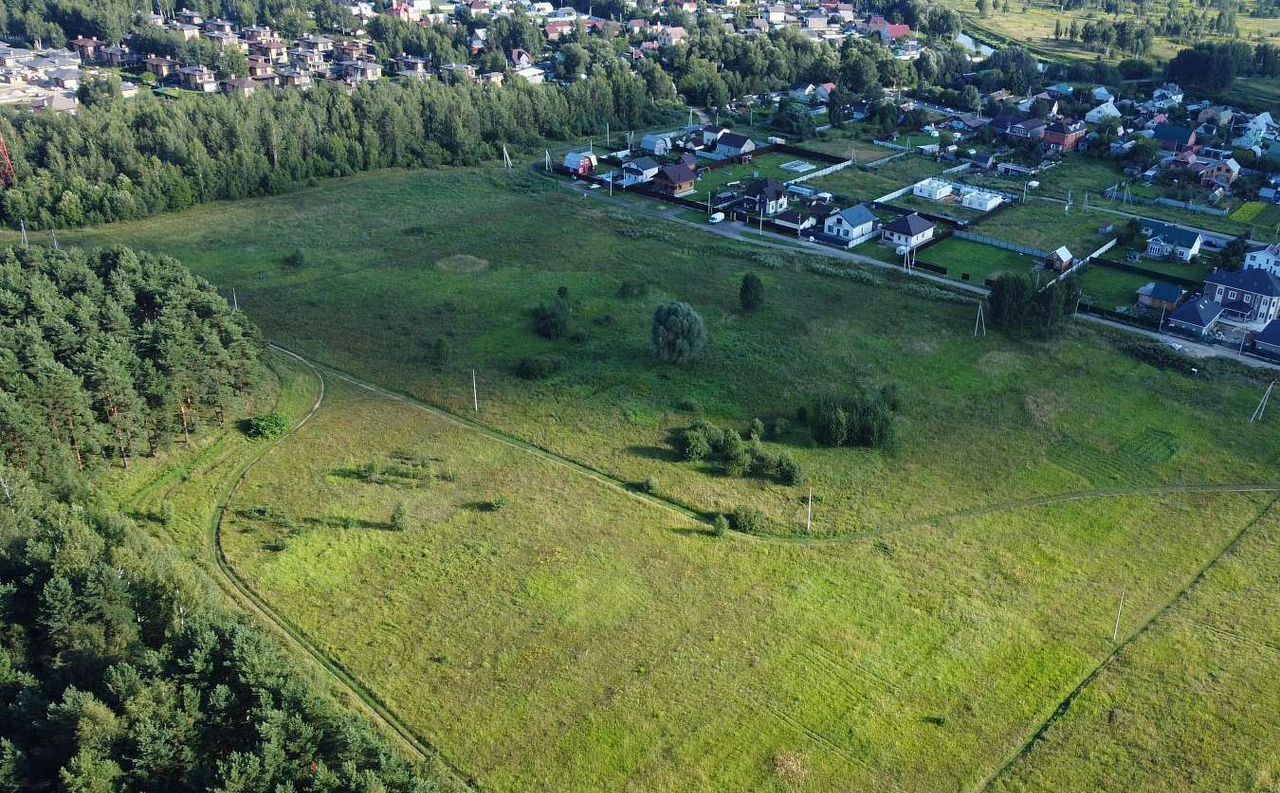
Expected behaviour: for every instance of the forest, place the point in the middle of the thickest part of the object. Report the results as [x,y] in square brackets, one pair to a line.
[118,668]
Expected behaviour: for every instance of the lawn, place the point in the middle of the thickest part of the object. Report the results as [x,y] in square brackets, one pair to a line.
[767,166]
[1109,288]
[1255,93]
[848,143]
[950,209]
[577,639]
[1046,226]
[980,262]
[865,185]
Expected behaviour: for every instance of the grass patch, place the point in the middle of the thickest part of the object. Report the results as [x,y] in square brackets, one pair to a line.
[980,262]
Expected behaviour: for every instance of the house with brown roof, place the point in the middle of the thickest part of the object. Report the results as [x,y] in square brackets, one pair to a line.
[677,179]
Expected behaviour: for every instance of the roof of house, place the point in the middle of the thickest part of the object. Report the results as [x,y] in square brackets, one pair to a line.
[679,173]
[1201,312]
[644,164]
[768,189]
[1063,254]
[1030,123]
[1172,133]
[1173,235]
[858,215]
[734,140]
[1065,127]
[1159,290]
[910,225]
[1251,279]
[1270,334]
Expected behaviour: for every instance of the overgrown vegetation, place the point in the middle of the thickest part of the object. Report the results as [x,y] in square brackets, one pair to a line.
[1018,307]
[679,335]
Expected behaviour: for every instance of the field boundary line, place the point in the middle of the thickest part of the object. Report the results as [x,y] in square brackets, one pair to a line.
[253,603]
[1147,625]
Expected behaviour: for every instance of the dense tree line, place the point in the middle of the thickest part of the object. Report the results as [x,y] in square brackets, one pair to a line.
[1214,66]
[118,668]
[1018,307]
[121,160]
[109,354]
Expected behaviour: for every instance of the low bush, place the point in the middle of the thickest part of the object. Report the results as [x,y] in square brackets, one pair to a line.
[266,426]
[538,367]
[748,520]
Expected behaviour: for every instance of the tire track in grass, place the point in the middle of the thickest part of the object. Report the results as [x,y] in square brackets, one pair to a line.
[1148,624]
[240,590]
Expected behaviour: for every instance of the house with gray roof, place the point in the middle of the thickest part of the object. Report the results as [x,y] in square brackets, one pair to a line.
[851,226]
[1167,241]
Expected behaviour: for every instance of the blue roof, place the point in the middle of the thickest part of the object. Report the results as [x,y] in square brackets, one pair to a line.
[1270,334]
[1159,290]
[1251,279]
[1201,313]
[1174,235]
[858,215]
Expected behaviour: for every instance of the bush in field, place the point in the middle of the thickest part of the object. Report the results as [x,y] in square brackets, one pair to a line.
[266,426]
[861,420]
[552,322]
[756,432]
[694,444]
[679,334]
[651,485]
[751,293]
[1017,307]
[297,260]
[399,517]
[788,470]
[734,454]
[538,367]
[748,520]
[720,526]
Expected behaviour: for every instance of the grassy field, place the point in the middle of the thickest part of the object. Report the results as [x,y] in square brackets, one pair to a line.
[1201,681]
[860,185]
[979,261]
[1110,288]
[848,143]
[577,639]
[1253,93]
[1046,226]
[766,166]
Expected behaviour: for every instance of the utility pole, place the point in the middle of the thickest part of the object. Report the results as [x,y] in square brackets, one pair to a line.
[1115,634]
[980,324]
[1262,406]
[475,394]
[808,521]
[235,303]
[546,164]
[506,158]
[23,224]
[608,138]
[54,234]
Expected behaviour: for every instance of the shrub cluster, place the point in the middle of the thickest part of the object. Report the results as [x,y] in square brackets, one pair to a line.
[266,426]
[865,419]
[539,367]
[703,440]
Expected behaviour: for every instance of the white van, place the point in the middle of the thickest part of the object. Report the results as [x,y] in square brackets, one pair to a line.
[718,217]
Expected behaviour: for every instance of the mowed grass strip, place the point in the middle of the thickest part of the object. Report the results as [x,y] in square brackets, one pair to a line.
[576,639]
[1192,703]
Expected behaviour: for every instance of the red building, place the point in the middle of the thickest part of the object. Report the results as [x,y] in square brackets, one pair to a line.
[1064,135]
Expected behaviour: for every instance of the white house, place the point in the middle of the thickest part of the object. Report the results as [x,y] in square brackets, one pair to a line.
[981,200]
[909,230]
[1101,94]
[1101,113]
[1166,241]
[1266,259]
[932,189]
[851,226]
[640,171]
[731,144]
[532,75]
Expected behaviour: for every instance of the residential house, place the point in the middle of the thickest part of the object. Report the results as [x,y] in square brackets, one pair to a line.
[733,145]
[198,78]
[851,226]
[360,71]
[795,219]
[1218,115]
[520,59]
[1266,259]
[255,33]
[1102,112]
[186,32]
[217,25]
[88,49]
[983,160]
[239,86]
[1028,129]
[580,163]
[1197,315]
[160,66]
[1173,137]
[1221,173]
[932,189]
[766,196]
[910,231]
[1268,340]
[887,31]
[1101,94]
[227,41]
[1167,96]
[1064,90]
[295,78]
[1160,296]
[981,200]
[1063,135]
[671,36]
[319,44]
[1251,295]
[1167,241]
[120,57]
[272,50]
[677,179]
[261,68]
[640,171]
[532,75]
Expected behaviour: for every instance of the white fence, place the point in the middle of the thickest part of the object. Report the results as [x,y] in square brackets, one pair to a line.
[995,243]
[821,172]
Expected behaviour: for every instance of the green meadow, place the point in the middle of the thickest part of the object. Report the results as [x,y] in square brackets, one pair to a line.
[549,630]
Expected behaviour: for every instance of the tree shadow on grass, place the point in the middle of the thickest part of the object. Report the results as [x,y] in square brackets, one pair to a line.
[348,523]
[659,453]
